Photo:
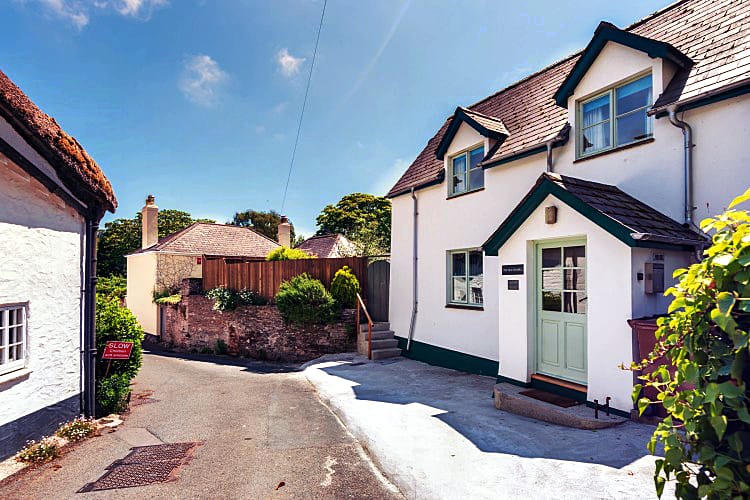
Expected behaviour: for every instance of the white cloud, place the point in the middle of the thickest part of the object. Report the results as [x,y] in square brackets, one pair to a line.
[389,176]
[137,8]
[280,107]
[201,79]
[288,64]
[259,129]
[71,11]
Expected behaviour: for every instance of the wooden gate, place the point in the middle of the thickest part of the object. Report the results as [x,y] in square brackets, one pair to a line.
[378,286]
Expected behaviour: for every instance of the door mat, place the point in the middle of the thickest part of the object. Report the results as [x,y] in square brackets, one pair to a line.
[549,397]
[144,465]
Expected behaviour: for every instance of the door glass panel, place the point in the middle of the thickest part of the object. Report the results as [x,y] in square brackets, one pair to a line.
[575,256]
[575,302]
[551,257]
[575,279]
[551,301]
[551,279]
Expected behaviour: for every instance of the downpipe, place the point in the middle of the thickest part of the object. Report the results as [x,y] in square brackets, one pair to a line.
[89,333]
[415,301]
[687,134]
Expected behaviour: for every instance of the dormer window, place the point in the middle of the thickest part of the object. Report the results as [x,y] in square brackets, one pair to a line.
[615,117]
[465,173]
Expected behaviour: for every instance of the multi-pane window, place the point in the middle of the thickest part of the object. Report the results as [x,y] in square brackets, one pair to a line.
[466,173]
[12,338]
[465,277]
[564,279]
[615,117]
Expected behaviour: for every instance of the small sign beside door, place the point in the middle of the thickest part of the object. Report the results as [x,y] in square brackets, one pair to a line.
[512,269]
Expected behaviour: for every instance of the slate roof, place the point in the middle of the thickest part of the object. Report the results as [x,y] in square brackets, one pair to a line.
[328,246]
[488,122]
[626,218]
[71,162]
[202,238]
[715,34]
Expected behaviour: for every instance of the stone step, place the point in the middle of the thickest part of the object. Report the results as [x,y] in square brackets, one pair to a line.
[391,352]
[381,335]
[384,343]
[376,327]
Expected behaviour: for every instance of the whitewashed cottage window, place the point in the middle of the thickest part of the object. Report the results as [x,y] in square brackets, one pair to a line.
[12,338]
[465,172]
[465,277]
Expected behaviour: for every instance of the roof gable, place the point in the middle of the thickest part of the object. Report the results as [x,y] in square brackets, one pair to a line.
[624,217]
[607,32]
[488,126]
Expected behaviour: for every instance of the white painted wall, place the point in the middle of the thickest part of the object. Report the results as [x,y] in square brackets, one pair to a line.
[141,279]
[652,304]
[40,244]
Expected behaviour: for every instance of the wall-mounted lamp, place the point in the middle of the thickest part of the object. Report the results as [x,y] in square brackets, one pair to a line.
[550,214]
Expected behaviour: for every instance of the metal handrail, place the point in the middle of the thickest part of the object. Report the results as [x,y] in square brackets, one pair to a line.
[362,307]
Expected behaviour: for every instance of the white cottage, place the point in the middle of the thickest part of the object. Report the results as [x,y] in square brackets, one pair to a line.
[52,197]
[539,220]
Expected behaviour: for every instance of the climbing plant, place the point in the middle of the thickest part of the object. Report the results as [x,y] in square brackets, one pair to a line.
[704,385]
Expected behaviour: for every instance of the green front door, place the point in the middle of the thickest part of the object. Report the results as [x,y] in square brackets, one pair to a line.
[561,310]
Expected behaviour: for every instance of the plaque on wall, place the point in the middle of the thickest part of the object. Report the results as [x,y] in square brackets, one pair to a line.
[512,269]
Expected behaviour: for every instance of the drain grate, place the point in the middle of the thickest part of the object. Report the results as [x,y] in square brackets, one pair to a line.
[144,465]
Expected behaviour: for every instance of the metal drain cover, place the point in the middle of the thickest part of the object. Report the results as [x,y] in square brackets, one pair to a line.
[144,465]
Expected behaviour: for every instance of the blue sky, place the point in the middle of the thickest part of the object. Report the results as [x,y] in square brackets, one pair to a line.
[197,101]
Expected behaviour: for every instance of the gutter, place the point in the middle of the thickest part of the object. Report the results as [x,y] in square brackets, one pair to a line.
[415,301]
[726,92]
[664,239]
[558,140]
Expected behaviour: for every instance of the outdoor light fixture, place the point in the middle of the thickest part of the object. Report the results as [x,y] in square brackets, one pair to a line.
[550,214]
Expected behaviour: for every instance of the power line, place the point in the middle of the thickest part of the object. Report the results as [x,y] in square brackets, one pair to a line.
[304,103]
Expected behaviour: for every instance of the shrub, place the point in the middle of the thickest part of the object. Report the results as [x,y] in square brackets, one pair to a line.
[706,434]
[221,347]
[112,393]
[286,253]
[251,298]
[114,322]
[36,453]
[169,299]
[109,286]
[345,287]
[224,298]
[77,429]
[305,300]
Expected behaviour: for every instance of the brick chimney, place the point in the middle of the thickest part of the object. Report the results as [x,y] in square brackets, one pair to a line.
[285,232]
[149,224]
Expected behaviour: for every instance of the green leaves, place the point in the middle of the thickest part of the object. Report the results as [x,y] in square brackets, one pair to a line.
[740,199]
[719,423]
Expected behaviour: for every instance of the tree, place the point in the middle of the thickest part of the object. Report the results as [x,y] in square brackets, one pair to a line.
[266,223]
[704,386]
[364,219]
[123,236]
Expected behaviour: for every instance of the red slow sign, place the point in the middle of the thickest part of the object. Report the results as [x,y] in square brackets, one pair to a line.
[117,350]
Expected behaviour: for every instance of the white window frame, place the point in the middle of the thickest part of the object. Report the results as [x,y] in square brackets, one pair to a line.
[467,175]
[6,366]
[613,116]
[449,282]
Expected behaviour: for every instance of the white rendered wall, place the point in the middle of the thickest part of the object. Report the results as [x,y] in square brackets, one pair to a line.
[40,244]
[141,279]
[657,303]
[609,294]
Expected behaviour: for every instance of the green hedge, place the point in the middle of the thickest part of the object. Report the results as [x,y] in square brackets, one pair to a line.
[345,287]
[304,300]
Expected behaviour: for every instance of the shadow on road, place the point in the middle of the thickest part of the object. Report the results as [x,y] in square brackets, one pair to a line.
[249,365]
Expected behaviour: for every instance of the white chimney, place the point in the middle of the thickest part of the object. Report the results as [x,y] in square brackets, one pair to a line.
[285,232]
[149,224]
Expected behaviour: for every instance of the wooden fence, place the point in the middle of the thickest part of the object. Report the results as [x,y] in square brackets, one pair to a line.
[266,277]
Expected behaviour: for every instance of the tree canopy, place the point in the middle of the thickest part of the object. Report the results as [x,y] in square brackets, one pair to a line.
[266,223]
[123,236]
[364,219]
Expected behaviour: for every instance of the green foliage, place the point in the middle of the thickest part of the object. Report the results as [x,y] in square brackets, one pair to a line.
[266,223]
[706,435]
[36,453]
[305,300]
[114,285]
[228,300]
[221,347]
[249,297]
[285,253]
[114,322]
[364,219]
[123,236]
[345,287]
[169,299]
[77,429]
[112,393]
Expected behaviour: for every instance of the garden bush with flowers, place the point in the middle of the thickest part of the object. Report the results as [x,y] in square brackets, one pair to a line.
[77,429]
[39,452]
[704,387]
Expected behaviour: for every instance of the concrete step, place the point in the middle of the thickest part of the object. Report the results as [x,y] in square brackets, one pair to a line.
[390,352]
[384,343]
[376,327]
[381,335]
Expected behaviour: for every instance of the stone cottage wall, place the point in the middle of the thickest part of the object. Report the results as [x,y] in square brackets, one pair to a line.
[253,331]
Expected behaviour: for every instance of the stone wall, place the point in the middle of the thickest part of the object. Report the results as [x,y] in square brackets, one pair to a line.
[253,331]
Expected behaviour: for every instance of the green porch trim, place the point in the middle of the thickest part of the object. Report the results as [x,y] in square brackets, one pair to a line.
[613,411]
[502,379]
[447,358]
[607,32]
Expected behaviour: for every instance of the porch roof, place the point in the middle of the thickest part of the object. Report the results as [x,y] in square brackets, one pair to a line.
[624,217]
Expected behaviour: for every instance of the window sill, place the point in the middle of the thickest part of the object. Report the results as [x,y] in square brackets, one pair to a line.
[12,378]
[458,195]
[464,306]
[614,150]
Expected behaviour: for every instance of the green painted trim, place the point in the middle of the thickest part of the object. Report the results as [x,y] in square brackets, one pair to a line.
[712,99]
[613,411]
[556,389]
[447,358]
[459,117]
[501,379]
[508,159]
